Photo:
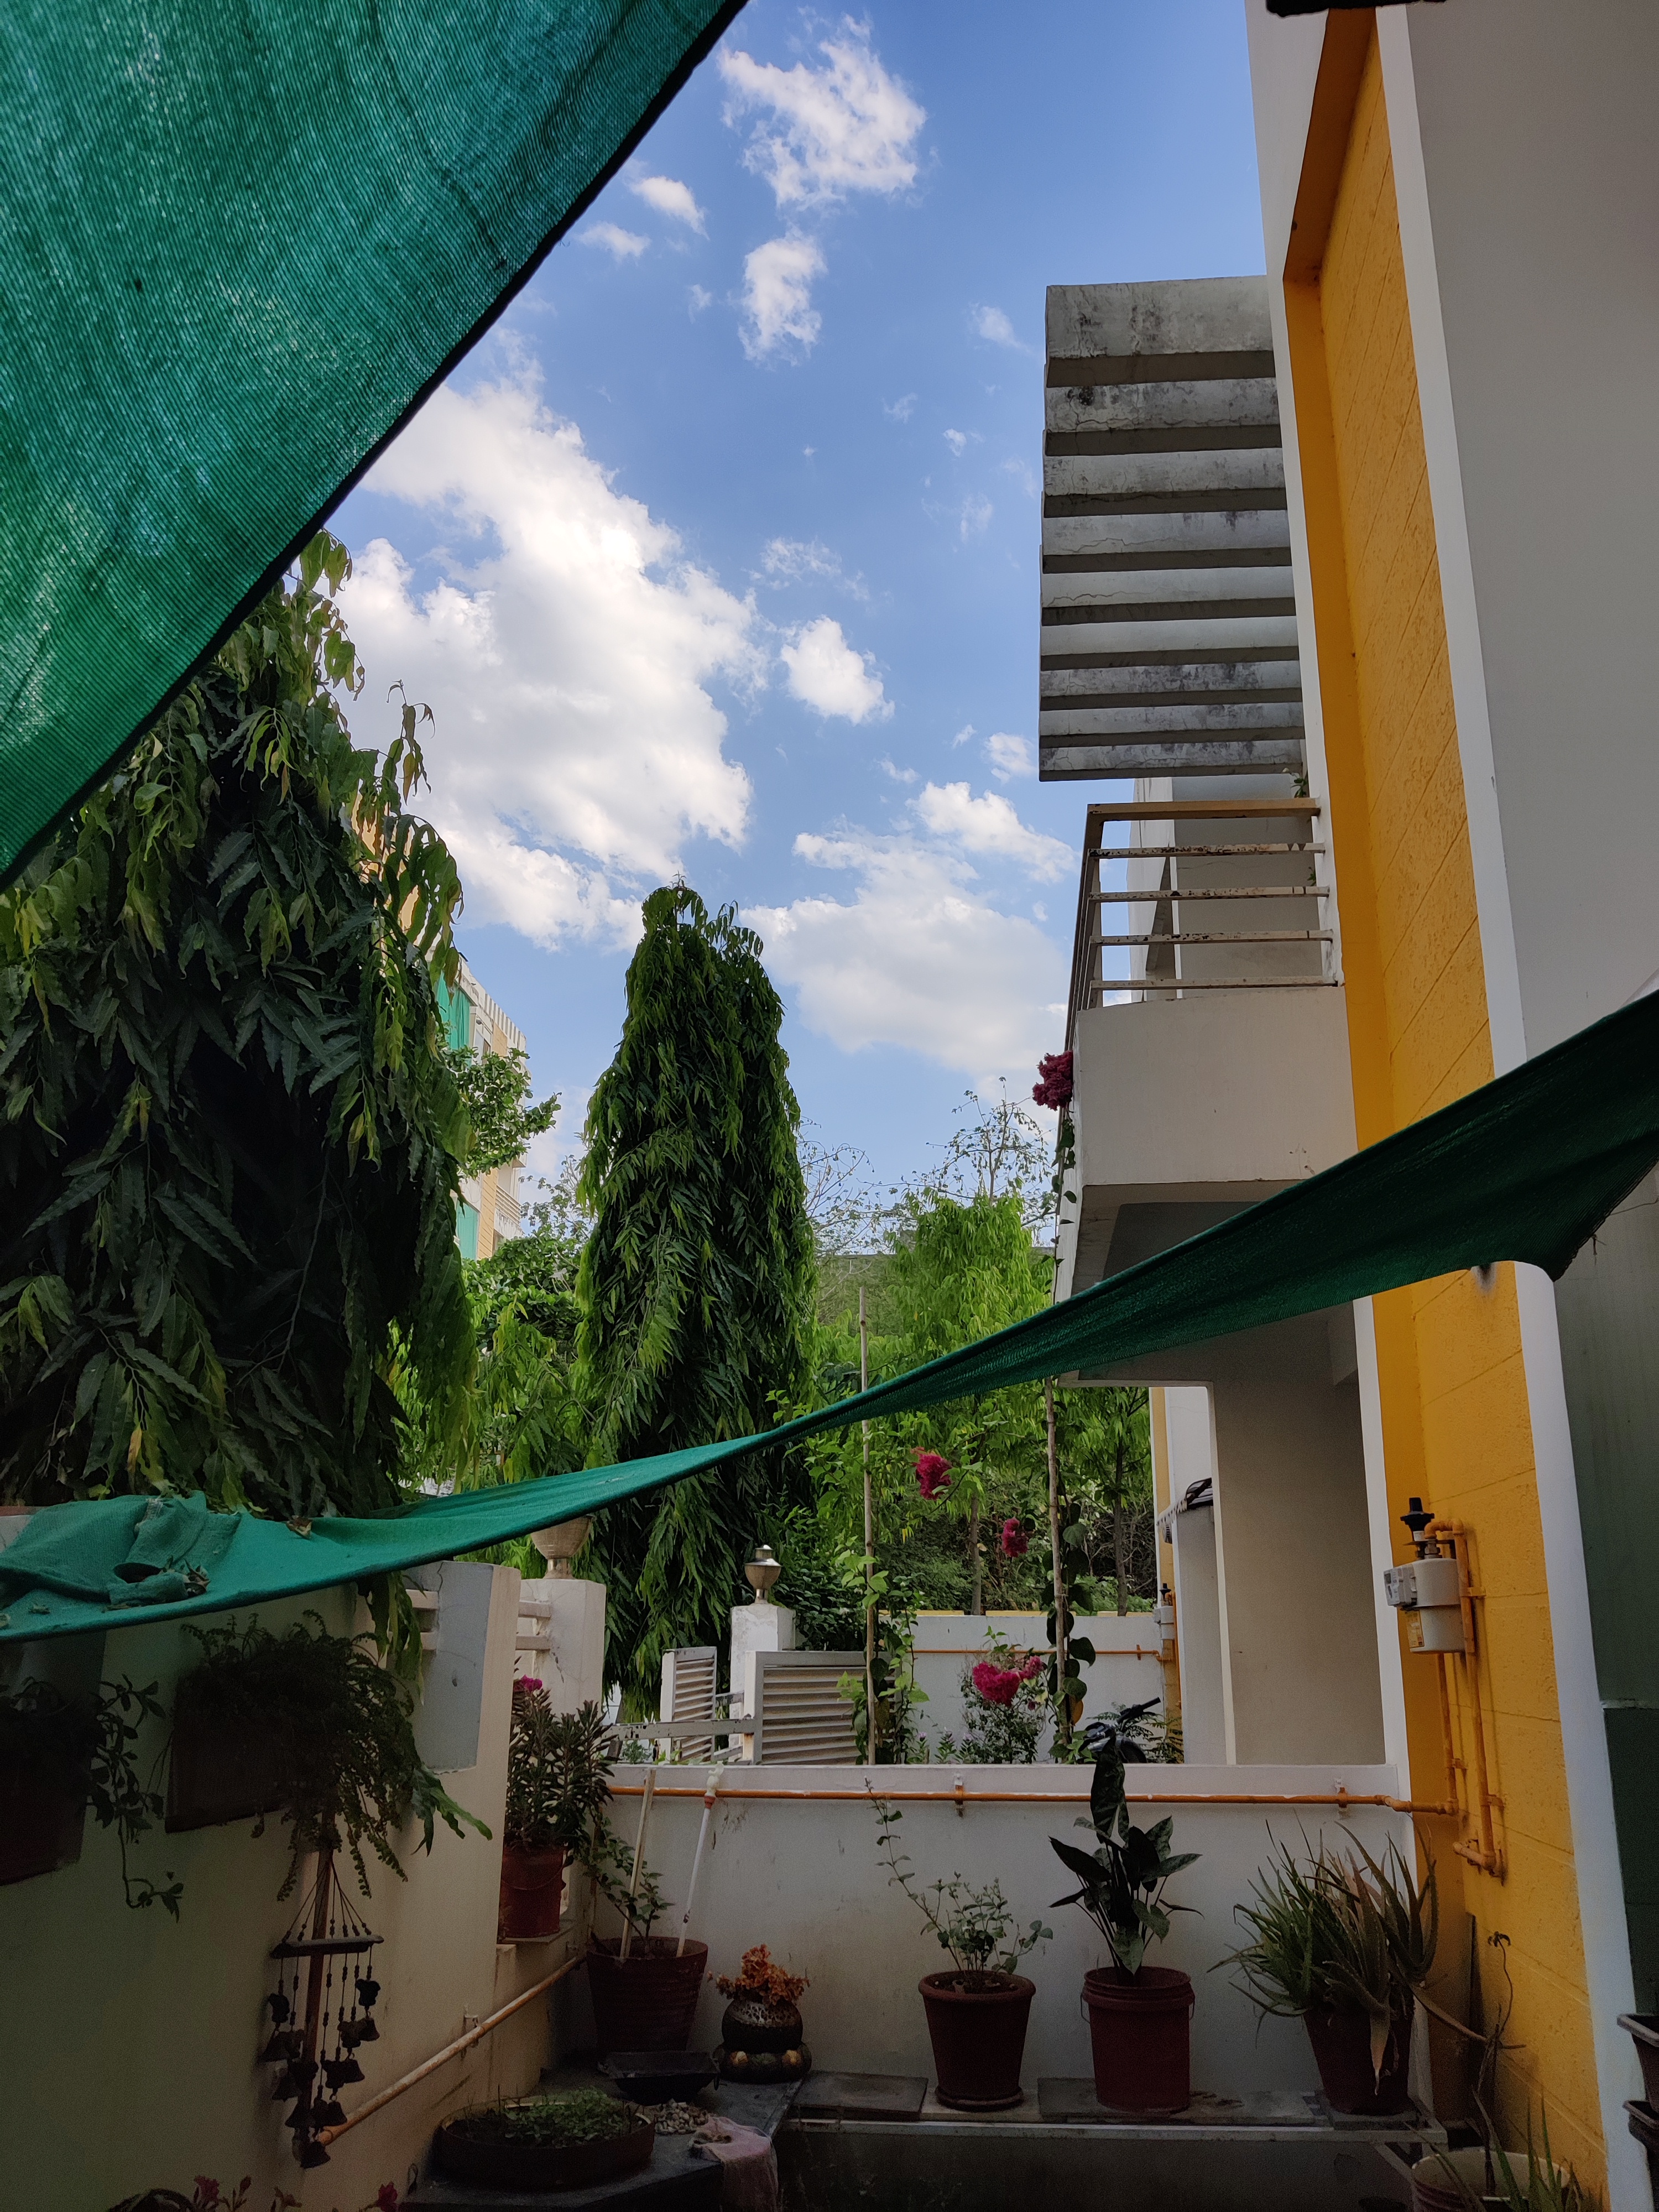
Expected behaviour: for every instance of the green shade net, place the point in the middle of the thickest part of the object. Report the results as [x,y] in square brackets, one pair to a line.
[241,244]
[1525,1169]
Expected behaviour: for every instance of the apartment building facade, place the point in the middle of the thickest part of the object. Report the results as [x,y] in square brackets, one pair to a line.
[489,1210]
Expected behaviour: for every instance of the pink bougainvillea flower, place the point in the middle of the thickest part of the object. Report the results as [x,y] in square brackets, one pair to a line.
[526,1683]
[385,2197]
[933,1473]
[1054,1083]
[996,1685]
[1031,1669]
[1015,1541]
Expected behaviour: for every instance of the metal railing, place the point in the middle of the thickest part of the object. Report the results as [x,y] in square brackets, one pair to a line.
[1210,902]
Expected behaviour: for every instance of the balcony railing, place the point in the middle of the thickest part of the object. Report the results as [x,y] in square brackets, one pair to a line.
[1220,909]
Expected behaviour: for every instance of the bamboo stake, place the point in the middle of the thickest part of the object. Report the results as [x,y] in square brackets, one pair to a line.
[710,1788]
[639,1857]
[869,1550]
[1062,1704]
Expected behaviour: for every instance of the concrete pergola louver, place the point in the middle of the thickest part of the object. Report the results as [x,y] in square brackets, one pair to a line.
[1169,638]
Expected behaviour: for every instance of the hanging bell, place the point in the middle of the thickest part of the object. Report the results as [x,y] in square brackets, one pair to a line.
[309,2152]
[286,2043]
[351,2034]
[369,1993]
[366,2031]
[337,2072]
[294,2080]
[331,2113]
[281,2009]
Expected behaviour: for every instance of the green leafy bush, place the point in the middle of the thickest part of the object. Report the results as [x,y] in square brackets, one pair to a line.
[1123,1879]
[583,2116]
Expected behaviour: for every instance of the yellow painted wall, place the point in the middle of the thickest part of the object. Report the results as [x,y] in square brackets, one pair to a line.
[1455,1417]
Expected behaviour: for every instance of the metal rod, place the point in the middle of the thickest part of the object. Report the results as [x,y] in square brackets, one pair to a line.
[1177,891]
[1340,1798]
[1203,810]
[639,1859]
[1216,936]
[709,1789]
[1165,985]
[1198,851]
[449,2051]
[869,1549]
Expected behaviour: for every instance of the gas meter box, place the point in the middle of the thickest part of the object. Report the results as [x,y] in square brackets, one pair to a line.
[1434,1627]
[1422,1582]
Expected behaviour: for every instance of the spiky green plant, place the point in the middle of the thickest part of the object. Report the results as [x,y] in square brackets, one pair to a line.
[697,1285]
[1345,1930]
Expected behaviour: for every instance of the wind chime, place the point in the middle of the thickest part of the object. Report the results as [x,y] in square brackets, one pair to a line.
[315,2039]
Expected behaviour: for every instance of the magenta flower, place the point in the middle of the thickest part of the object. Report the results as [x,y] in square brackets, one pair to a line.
[526,1683]
[1053,1085]
[1015,1541]
[1001,1686]
[385,2197]
[933,1473]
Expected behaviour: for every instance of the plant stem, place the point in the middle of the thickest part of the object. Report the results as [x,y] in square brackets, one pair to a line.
[974,1554]
[1119,1567]
[869,1550]
[1062,1704]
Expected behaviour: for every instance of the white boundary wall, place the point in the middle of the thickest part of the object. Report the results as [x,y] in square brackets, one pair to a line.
[941,1642]
[800,1875]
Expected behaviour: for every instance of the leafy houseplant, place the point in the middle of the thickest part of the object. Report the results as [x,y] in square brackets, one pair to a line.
[571,2141]
[59,1759]
[645,1999]
[1140,2016]
[977,2013]
[557,1789]
[1344,1943]
[346,1768]
[761,2028]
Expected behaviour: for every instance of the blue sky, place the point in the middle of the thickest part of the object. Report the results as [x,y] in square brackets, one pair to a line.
[719,555]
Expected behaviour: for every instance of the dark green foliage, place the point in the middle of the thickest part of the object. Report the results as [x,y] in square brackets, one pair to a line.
[536,1275]
[339,1727]
[494,1088]
[1124,1877]
[230,1147]
[697,1285]
[582,2116]
[558,1773]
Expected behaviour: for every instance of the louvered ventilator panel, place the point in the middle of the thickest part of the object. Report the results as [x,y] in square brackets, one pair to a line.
[689,1682]
[801,1717]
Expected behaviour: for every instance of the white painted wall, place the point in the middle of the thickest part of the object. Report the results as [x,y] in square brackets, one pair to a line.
[802,1877]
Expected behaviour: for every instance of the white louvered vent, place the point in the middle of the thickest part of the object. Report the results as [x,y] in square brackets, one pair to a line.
[688,1694]
[535,1636]
[801,1719]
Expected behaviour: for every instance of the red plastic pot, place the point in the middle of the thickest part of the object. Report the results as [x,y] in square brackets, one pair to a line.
[1140,2032]
[40,1825]
[533,1885]
[647,2000]
[979,2039]
[1342,2052]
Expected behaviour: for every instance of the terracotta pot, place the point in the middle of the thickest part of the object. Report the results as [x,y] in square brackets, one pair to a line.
[532,1883]
[218,1772]
[979,2039]
[645,2002]
[40,1824]
[1342,2052]
[541,2165]
[1140,2032]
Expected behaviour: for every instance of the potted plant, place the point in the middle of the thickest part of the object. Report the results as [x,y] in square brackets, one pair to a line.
[761,2028]
[1140,2016]
[557,1786]
[576,2141]
[1487,2179]
[645,1988]
[60,1759]
[340,1732]
[1344,1943]
[977,2013]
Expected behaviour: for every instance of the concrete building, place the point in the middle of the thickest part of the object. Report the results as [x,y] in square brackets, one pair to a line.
[489,1211]
[1462,308]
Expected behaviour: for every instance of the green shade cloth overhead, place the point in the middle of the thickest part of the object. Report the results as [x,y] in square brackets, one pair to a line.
[241,244]
[1525,1169]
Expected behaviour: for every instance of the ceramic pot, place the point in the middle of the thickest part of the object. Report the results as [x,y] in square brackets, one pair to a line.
[1140,2032]
[978,2038]
[645,2002]
[761,2042]
[532,1884]
[1341,2043]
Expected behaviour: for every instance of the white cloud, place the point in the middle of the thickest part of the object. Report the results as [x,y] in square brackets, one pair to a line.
[957,441]
[777,295]
[995,327]
[827,674]
[1010,756]
[793,560]
[1023,475]
[621,245]
[670,197]
[575,741]
[848,127]
[917,958]
[974,516]
[962,734]
[990,825]
[899,775]
[900,410]
[699,300]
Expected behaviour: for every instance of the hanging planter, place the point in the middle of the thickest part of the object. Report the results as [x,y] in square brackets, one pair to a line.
[40,1823]
[219,1773]
[59,1760]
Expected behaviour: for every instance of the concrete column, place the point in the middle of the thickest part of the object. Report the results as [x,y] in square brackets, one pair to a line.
[574,1670]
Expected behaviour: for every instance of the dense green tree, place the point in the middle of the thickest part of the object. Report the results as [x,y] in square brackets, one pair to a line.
[697,1283]
[494,1088]
[229,1143]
